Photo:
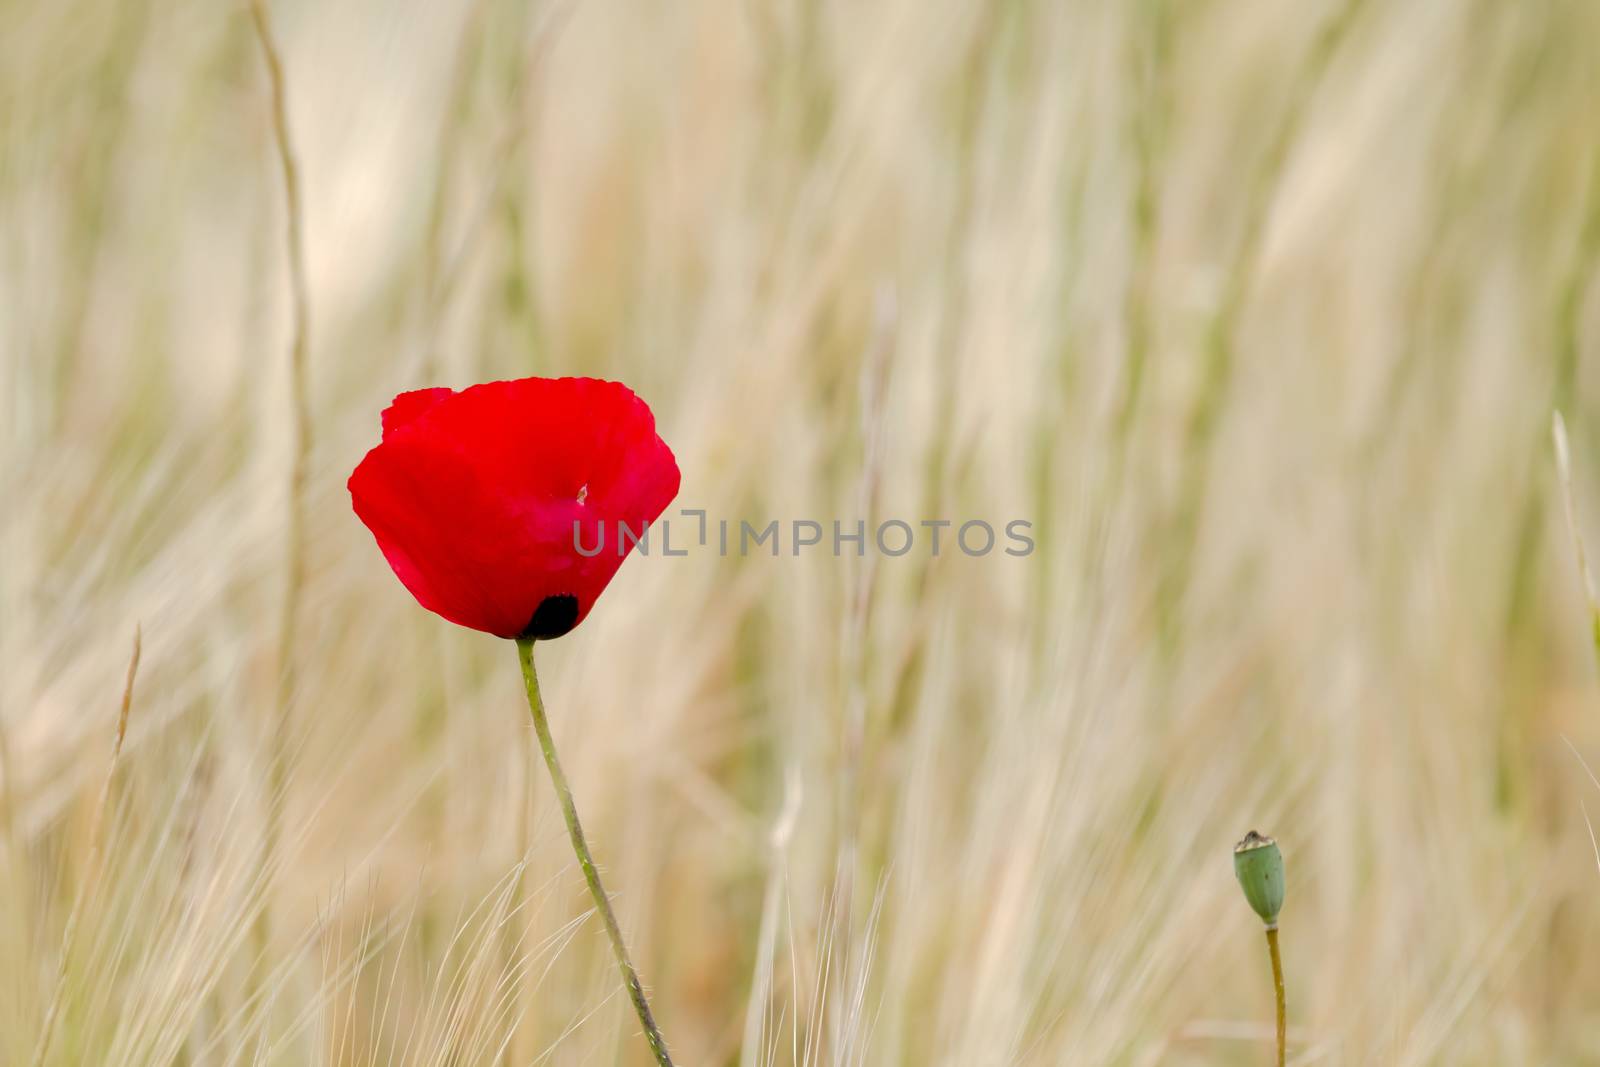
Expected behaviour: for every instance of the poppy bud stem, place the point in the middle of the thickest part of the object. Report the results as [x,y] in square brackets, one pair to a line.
[1258,864]
[602,903]
[1277,987]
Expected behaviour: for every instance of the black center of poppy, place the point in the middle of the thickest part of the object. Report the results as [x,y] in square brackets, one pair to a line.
[554,617]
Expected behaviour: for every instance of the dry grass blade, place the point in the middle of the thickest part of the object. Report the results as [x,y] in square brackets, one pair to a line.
[91,875]
[1558,433]
[300,436]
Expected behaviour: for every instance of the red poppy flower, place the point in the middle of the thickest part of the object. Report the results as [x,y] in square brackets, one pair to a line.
[477,498]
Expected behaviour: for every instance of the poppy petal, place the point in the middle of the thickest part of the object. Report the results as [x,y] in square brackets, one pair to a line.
[476,498]
[408,406]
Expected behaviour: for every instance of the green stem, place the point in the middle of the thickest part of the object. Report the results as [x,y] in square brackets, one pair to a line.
[569,810]
[1277,987]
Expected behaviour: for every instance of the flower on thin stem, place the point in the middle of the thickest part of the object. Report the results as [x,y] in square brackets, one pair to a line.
[478,499]
[1258,864]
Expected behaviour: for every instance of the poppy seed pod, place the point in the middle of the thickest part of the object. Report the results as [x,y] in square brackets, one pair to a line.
[1259,867]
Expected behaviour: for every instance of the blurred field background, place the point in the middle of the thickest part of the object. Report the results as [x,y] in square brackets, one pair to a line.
[1257,310]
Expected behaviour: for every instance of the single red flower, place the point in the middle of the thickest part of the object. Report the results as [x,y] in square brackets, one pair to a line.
[474,497]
